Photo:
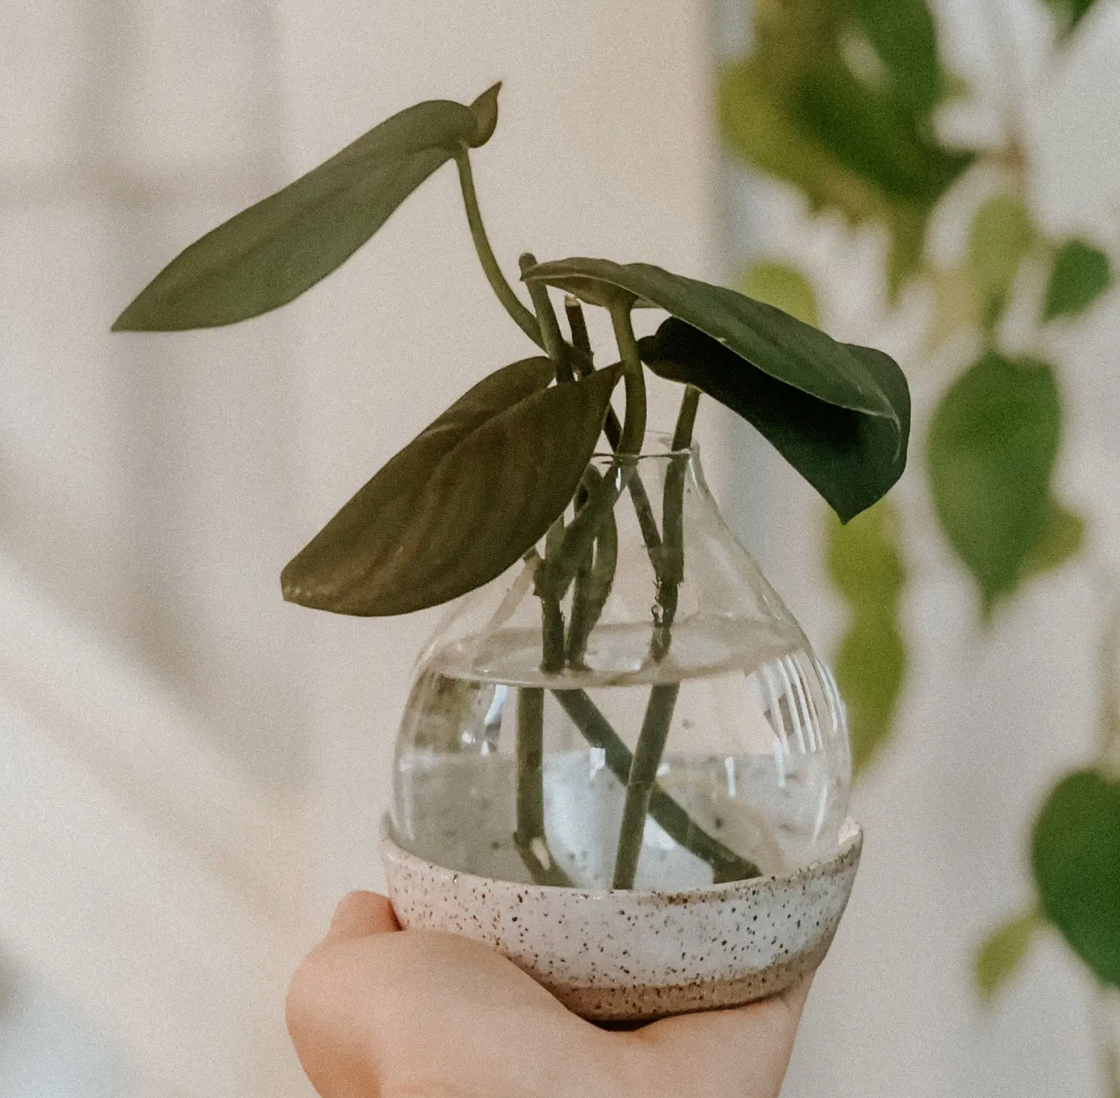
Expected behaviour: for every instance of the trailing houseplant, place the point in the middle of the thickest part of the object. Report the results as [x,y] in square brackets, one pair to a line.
[521,495]
[998,421]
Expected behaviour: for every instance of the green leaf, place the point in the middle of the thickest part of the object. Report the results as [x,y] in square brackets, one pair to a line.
[903,34]
[1081,274]
[867,149]
[784,288]
[272,252]
[1071,12]
[991,451]
[865,560]
[1062,536]
[789,351]
[1075,854]
[865,563]
[1001,235]
[850,457]
[461,502]
[1002,952]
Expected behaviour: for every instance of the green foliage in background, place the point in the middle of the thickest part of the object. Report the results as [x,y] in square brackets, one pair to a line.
[1081,274]
[990,456]
[1075,852]
[999,957]
[836,98]
[865,563]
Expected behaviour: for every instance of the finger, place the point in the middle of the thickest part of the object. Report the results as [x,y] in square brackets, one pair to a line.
[361,914]
[747,1046]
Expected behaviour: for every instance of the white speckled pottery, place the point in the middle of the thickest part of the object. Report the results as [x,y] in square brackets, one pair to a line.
[635,955]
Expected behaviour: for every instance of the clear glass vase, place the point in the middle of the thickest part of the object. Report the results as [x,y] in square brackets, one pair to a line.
[632,706]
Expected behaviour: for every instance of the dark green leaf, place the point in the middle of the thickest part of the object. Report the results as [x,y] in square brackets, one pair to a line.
[850,457]
[865,563]
[462,502]
[1071,12]
[1003,951]
[1075,854]
[1062,536]
[789,351]
[272,252]
[903,34]
[1081,274]
[784,288]
[992,446]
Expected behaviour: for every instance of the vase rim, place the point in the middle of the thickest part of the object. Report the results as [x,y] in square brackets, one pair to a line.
[655,444]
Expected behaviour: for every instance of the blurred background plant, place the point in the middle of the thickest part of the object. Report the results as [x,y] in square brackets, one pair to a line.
[850,103]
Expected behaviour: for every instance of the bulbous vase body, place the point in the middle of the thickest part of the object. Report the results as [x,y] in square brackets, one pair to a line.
[632,706]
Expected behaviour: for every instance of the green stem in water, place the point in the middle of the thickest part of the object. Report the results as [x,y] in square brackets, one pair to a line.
[640,782]
[593,582]
[513,305]
[663,696]
[530,835]
[665,811]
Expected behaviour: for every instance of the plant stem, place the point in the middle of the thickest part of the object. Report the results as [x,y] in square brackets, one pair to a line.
[639,784]
[662,696]
[530,834]
[634,427]
[671,573]
[522,316]
[686,418]
[665,811]
[554,344]
[613,429]
[593,581]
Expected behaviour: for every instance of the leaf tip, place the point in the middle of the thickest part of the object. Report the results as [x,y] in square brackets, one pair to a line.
[131,318]
[485,109]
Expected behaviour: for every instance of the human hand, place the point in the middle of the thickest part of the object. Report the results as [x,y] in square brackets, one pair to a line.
[377,1012]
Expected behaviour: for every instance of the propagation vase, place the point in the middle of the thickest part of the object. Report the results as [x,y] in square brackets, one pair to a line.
[630,720]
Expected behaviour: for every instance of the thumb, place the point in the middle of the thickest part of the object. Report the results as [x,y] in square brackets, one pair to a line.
[361,914]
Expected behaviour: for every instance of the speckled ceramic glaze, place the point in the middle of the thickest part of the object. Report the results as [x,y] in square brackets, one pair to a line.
[631,955]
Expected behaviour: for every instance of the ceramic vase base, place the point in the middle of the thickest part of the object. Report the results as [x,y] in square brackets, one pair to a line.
[634,956]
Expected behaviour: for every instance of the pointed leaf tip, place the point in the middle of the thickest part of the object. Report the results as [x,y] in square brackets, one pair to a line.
[485,109]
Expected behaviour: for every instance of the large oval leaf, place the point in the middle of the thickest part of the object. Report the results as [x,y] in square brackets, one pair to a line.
[275,250]
[991,451]
[786,349]
[850,457]
[461,502]
[1075,854]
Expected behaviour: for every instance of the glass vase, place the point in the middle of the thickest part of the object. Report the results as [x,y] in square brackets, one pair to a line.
[630,707]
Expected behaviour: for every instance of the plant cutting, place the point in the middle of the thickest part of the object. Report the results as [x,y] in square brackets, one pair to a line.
[621,762]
